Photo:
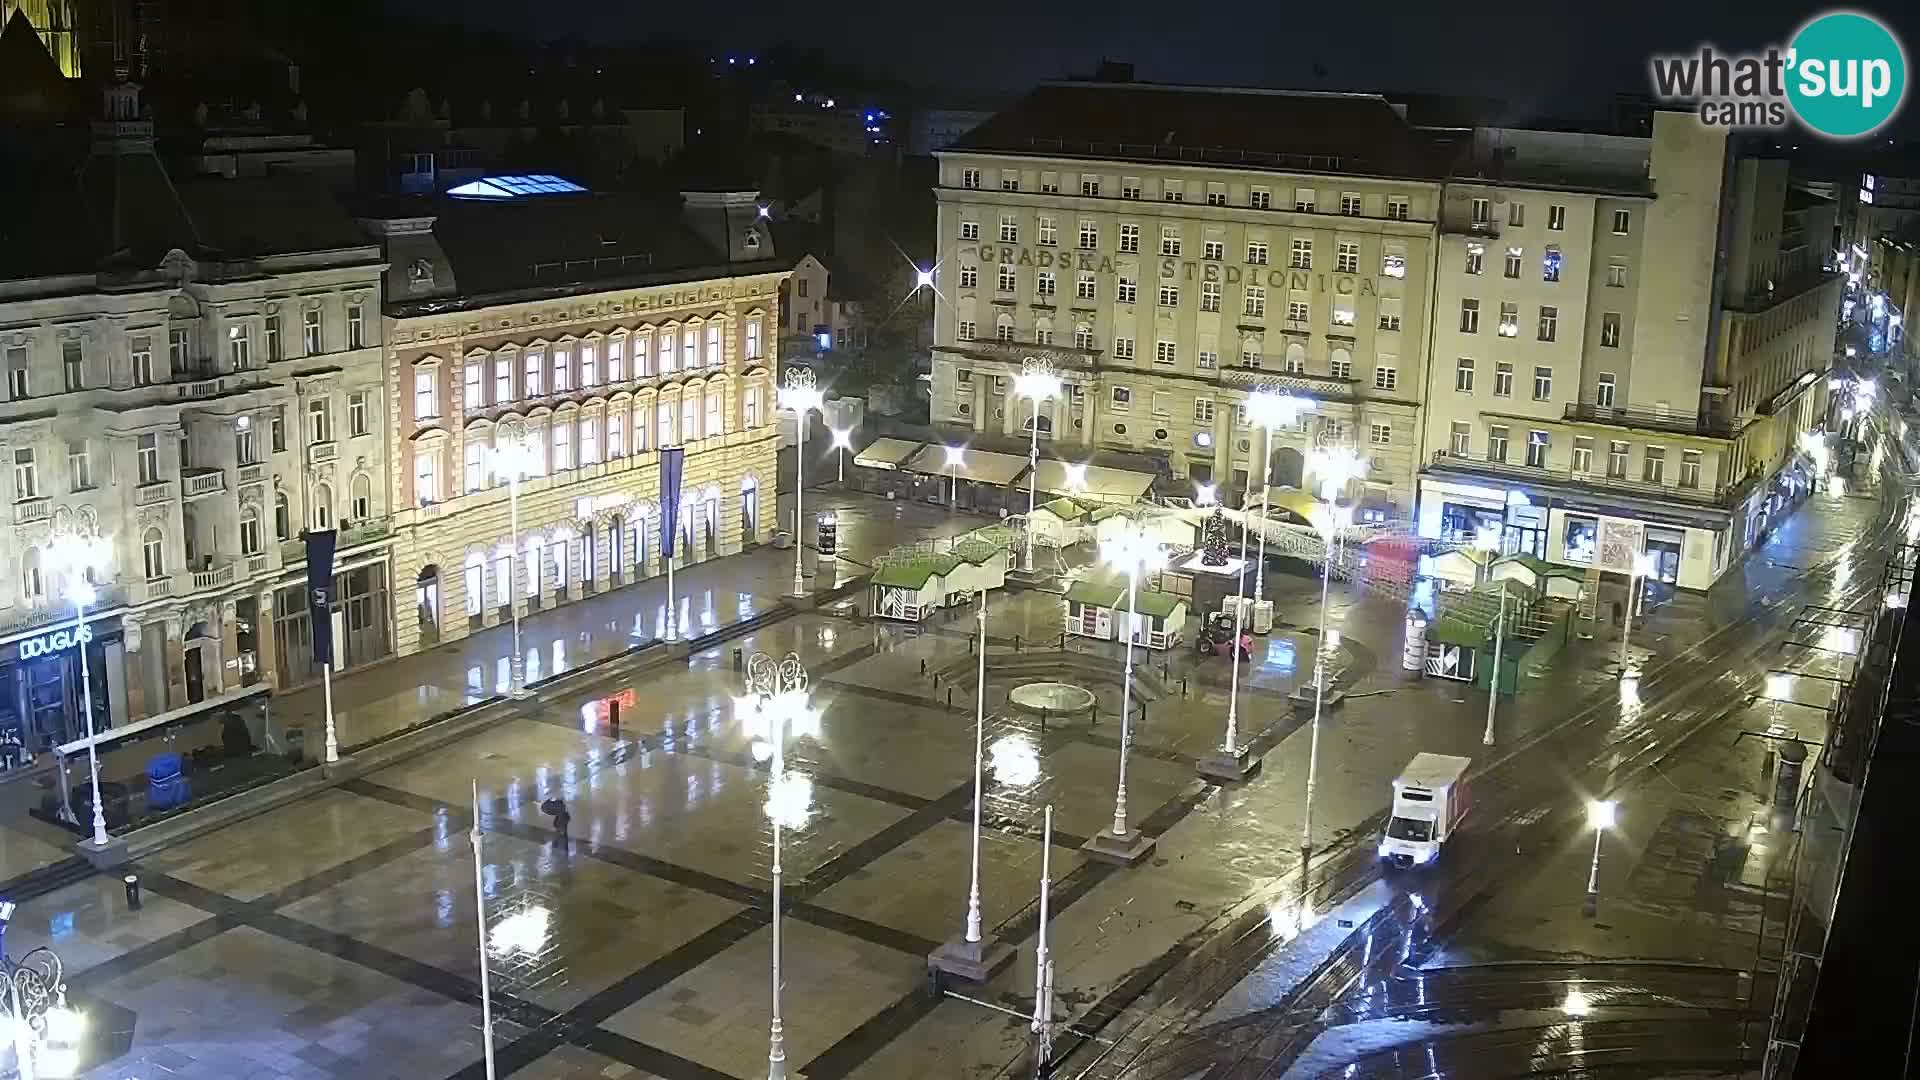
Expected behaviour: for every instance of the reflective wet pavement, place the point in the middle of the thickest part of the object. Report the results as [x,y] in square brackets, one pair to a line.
[336,936]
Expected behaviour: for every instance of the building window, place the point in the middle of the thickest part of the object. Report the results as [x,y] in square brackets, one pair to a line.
[1083,286]
[178,347]
[617,433]
[1514,258]
[1044,283]
[1260,198]
[1257,252]
[1009,180]
[1380,434]
[1169,296]
[1213,250]
[79,465]
[1089,235]
[965,330]
[1496,443]
[969,277]
[1537,442]
[72,369]
[1009,279]
[1346,259]
[1130,187]
[244,450]
[18,383]
[319,421]
[26,475]
[1340,366]
[1165,353]
[310,337]
[590,357]
[1298,311]
[970,178]
[1090,186]
[1550,265]
[1350,203]
[474,465]
[1398,208]
[664,361]
[270,338]
[1003,329]
[969,230]
[1083,337]
[282,517]
[1043,334]
[141,349]
[1203,410]
[1173,191]
[1386,378]
[322,511]
[1622,222]
[1509,320]
[1516,214]
[1303,200]
[1129,238]
[1393,261]
[1610,330]
[356,326]
[473,386]
[1549,322]
[1049,233]
[617,352]
[1210,296]
[250,541]
[1009,229]
[1556,218]
[357,412]
[153,559]
[1301,254]
[1463,375]
[1617,274]
[1123,348]
[1654,464]
[1207,360]
[1476,258]
[1256,301]
[1482,211]
[1122,399]
[426,397]
[1169,239]
[1250,355]
[1582,454]
[1617,460]
[1343,313]
[1469,316]
[1460,442]
[1689,468]
[1128,289]
[590,435]
[689,352]
[1389,320]
[277,429]
[1542,384]
[1502,380]
[1603,391]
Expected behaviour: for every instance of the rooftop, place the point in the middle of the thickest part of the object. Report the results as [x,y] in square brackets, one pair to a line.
[1275,129]
[515,187]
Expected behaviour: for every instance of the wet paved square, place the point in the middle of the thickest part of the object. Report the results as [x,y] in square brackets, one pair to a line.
[921,886]
[251,858]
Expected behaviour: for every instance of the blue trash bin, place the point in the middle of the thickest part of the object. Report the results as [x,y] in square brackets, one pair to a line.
[166,782]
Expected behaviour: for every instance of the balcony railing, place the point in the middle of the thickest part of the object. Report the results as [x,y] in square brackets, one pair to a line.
[26,617]
[322,451]
[1321,387]
[215,577]
[257,565]
[1723,495]
[157,588]
[1643,419]
[1013,352]
[28,511]
[1465,225]
[253,474]
[198,482]
[157,492]
[294,552]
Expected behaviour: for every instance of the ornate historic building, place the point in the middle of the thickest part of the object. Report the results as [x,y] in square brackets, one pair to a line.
[532,325]
[193,375]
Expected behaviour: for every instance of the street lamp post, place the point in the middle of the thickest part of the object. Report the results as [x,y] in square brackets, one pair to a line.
[1036,382]
[775,707]
[798,393]
[1135,552]
[480,914]
[46,1032]
[1600,815]
[969,958]
[1268,409]
[1642,567]
[1489,541]
[1232,762]
[510,450]
[78,557]
[842,442]
[956,461]
[1329,519]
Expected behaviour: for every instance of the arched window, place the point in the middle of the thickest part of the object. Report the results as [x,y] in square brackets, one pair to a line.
[321,516]
[282,518]
[250,542]
[153,555]
[749,509]
[362,495]
[716,416]
[32,579]
[476,584]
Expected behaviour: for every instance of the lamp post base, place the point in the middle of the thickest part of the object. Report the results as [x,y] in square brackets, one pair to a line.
[1226,768]
[1129,850]
[971,961]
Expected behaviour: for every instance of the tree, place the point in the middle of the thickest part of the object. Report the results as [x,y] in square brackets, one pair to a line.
[1213,540]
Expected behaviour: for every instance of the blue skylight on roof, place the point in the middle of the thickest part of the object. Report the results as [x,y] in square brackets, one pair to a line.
[515,187]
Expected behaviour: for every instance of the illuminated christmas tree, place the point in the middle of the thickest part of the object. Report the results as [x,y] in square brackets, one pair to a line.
[1213,540]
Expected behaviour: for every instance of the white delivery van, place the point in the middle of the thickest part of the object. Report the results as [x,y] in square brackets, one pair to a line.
[1430,799]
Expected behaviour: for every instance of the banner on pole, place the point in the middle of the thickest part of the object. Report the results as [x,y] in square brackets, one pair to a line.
[320,545]
[671,461]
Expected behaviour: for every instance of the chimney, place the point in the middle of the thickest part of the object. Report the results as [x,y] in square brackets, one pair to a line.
[731,222]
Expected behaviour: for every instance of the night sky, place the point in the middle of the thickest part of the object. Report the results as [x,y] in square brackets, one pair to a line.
[1538,56]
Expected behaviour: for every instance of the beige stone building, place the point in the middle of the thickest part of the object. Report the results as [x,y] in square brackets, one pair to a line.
[597,329]
[1172,249]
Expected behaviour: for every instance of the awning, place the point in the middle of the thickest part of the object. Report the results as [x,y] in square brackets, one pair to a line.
[980,466]
[886,453]
[1292,500]
[1099,484]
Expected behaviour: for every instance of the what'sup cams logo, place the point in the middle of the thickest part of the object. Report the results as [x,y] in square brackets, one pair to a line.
[1843,76]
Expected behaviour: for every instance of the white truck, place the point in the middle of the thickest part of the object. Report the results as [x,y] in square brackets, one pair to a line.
[1430,799]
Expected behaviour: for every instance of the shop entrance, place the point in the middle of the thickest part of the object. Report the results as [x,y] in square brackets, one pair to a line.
[195,656]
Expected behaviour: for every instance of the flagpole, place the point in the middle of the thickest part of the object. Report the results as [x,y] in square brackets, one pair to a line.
[670,604]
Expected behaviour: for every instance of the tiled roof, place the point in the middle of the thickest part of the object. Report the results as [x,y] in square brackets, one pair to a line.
[1310,132]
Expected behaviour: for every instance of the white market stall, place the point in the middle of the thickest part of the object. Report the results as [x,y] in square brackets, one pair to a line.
[1097,608]
[912,587]
[1089,484]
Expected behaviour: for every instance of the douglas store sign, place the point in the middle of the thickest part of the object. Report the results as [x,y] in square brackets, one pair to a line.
[55,642]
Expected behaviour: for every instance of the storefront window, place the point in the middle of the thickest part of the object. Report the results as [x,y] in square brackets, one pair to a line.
[1583,535]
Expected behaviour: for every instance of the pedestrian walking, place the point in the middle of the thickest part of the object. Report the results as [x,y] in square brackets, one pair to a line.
[556,808]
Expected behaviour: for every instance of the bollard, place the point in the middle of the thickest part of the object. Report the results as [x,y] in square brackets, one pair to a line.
[923,667]
[133,892]
[1063,641]
[1016,643]
[969,646]
[1183,686]
[949,697]
[613,714]
[739,659]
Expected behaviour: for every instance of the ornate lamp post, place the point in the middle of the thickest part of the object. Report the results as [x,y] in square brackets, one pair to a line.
[1231,762]
[512,454]
[775,706]
[1036,382]
[798,393]
[842,442]
[1642,567]
[1335,467]
[1268,409]
[78,558]
[1135,552]
[46,1032]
